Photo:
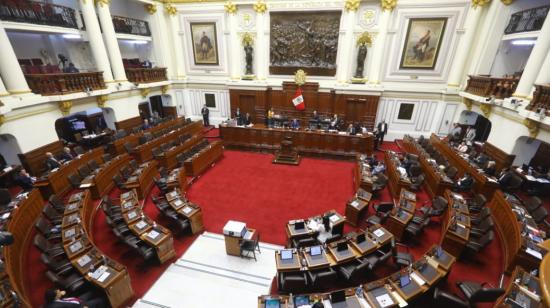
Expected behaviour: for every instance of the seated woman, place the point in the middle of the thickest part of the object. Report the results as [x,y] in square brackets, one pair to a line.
[463,148]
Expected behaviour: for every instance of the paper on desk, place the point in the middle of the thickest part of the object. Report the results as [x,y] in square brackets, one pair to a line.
[400,301]
[334,218]
[103,276]
[187,210]
[364,303]
[153,234]
[530,177]
[85,259]
[384,300]
[433,262]
[378,232]
[541,180]
[417,279]
[86,185]
[534,253]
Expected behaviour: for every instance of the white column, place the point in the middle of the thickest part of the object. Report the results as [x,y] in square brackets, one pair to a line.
[378,47]
[178,46]
[260,45]
[9,67]
[464,47]
[235,63]
[111,41]
[96,40]
[161,40]
[535,61]
[544,74]
[345,57]
[3,91]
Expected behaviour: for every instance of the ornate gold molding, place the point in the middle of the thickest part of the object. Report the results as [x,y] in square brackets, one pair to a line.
[230,7]
[468,103]
[486,109]
[352,5]
[102,2]
[532,126]
[170,9]
[388,5]
[248,39]
[364,39]
[151,8]
[164,89]
[2,119]
[65,107]
[300,77]
[144,92]
[507,2]
[260,7]
[480,3]
[101,100]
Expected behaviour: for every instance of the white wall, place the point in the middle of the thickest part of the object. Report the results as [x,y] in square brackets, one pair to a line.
[524,150]
[510,59]
[193,100]
[130,50]
[467,117]
[9,148]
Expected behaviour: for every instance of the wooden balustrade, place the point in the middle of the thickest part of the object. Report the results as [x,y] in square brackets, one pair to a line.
[64,83]
[492,86]
[146,75]
[541,99]
[36,12]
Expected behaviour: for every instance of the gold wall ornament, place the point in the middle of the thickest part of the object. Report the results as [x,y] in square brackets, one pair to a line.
[248,39]
[300,77]
[65,107]
[151,8]
[230,7]
[260,7]
[170,9]
[364,39]
[102,2]
[352,5]
[144,92]
[2,119]
[164,89]
[468,103]
[480,3]
[101,100]
[388,5]
[507,2]
[532,126]
[486,109]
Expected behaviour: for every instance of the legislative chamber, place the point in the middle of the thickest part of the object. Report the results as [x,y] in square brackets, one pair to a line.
[275,153]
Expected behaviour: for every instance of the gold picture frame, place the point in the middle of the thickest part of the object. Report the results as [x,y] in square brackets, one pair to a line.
[422,43]
[205,43]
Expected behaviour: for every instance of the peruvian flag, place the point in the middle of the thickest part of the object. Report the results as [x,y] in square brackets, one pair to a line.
[298,100]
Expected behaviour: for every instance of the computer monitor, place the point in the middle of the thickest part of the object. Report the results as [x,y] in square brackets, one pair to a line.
[360,238]
[404,280]
[315,250]
[286,254]
[338,296]
[301,300]
[299,225]
[342,246]
[272,303]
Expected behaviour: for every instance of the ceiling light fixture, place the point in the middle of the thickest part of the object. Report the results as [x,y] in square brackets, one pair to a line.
[524,42]
[72,36]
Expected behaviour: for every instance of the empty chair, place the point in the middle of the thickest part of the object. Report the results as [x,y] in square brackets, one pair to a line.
[304,242]
[439,206]
[417,182]
[84,171]
[354,271]
[540,214]
[402,258]
[479,217]
[379,183]
[322,279]
[477,202]
[126,172]
[130,148]
[119,182]
[57,203]
[476,292]
[444,299]
[93,165]
[74,180]
[161,185]
[49,231]
[133,164]
[61,267]
[181,159]
[78,150]
[71,283]
[292,282]
[477,244]
[106,157]
[382,211]
[157,153]
[142,139]
[415,170]
[52,250]
[530,204]
[482,228]
[53,216]
[250,246]
[165,147]
[451,172]
[417,225]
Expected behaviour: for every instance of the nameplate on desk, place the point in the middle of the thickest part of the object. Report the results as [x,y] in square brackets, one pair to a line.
[355,204]
[178,202]
[127,205]
[7,169]
[153,234]
[132,215]
[70,232]
[186,210]
[334,218]
[378,232]
[384,300]
[125,195]
[417,279]
[534,253]
[103,276]
[141,224]
[82,261]
[75,247]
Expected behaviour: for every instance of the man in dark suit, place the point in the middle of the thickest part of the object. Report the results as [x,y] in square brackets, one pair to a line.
[24,180]
[51,162]
[382,129]
[205,112]
[315,116]
[294,124]
[146,124]
[465,183]
[56,299]
[247,119]
[66,155]
[239,117]
[351,130]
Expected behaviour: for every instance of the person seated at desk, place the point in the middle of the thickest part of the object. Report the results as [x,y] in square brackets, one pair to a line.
[470,135]
[145,125]
[351,130]
[481,160]
[247,119]
[24,180]
[66,155]
[270,115]
[55,298]
[315,116]
[294,124]
[51,162]
[334,122]
[455,133]
[239,117]
[379,168]
[465,183]
[462,148]
[490,170]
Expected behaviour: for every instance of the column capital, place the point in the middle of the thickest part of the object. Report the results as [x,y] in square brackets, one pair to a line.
[532,126]
[248,38]
[144,92]
[170,9]
[101,3]
[388,5]
[2,119]
[507,2]
[230,7]
[486,109]
[260,7]
[151,8]
[101,100]
[65,107]
[352,5]
[480,3]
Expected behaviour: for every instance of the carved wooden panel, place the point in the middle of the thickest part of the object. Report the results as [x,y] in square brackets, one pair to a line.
[501,158]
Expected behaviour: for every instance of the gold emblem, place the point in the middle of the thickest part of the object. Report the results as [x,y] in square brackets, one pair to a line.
[101,100]
[230,7]
[170,9]
[352,5]
[151,8]
[532,126]
[2,119]
[145,92]
[164,89]
[388,5]
[260,7]
[248,39]
[468,104]
[65,107]
[480,3]
[507,2]
[364,39]
[486,109]
[102,2]
[300,77]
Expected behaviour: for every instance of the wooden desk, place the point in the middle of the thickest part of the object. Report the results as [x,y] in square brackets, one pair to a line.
[361,177]
[201,161]
[395,182]
[292,233]
[544,274]
[523,288]
[101,183]
[318,261]
[316,143]
[454,233]
[396,223]
[344,255]
[177,180]
[354,209]
[194,214]
[161,239]
[169,161]
[142,179]
[233,243]
[293,264]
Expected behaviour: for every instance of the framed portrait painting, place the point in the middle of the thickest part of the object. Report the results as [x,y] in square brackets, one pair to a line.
[422,43]
[205,43]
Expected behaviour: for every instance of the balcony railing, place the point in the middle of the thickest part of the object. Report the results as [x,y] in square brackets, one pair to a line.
[65,83]
[131,26]
[491,86]
[528,20]
[37,13]
[146,75]
[541,99]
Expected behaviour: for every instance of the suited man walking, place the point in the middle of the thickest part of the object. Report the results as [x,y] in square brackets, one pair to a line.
[205,112]
[382,128]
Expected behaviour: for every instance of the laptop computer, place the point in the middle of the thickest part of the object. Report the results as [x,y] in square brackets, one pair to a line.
[360,238]
[404,280]
[315,250]
[301,300]
[286,254]
[338,296]
[299,225]
[342,246]
[272,303]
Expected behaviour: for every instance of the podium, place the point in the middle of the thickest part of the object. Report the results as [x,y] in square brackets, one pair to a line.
[287,155]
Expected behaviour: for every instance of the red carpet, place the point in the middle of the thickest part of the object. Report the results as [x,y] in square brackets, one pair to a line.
[246,186]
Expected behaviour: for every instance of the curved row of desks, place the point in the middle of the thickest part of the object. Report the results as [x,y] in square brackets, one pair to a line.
[396,182]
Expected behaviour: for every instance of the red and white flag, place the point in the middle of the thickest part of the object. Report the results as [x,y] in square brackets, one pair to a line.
[298,100]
